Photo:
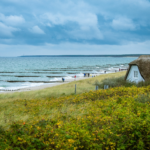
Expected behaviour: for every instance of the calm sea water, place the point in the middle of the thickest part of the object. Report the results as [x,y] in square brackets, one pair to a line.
[20,72]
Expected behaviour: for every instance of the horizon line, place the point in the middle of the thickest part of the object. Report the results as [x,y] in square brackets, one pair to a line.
[104,55]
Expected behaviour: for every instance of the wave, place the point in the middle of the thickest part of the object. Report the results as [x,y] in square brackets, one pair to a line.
[94,72]
[22,86]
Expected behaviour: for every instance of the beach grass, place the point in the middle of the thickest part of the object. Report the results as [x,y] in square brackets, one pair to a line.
[10,112]
[56,118]
[116,118]
[60,90]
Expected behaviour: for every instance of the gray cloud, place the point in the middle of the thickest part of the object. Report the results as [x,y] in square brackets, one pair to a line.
[92,22]
[123,23]
[74,48]
[87,27]
[7,31]
[12,20]
[36,30]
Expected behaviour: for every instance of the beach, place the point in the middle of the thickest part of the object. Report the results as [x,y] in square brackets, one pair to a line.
[26,74]
[46,85]
[61,83]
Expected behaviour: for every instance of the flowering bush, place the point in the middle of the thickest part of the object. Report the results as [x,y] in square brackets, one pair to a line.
[104,119]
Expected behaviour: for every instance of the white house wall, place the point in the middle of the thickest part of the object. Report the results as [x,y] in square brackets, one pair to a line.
[131,77]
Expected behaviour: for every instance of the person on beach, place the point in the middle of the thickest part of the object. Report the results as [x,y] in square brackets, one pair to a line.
[75,77]
[63,79]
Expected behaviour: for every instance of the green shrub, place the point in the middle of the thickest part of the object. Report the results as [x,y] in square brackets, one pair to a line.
[120,81]
[143,98]
[143,83]
[112,119]
[114,82]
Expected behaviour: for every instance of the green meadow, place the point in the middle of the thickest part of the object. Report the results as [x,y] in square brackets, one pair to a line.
[57,119]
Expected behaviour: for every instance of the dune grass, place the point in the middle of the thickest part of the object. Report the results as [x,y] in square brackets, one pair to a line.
[115,118]
[60,90]
[120,81]
[56,118]
[10,111]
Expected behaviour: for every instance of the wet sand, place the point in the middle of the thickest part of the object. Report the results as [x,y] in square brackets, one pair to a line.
[46,85]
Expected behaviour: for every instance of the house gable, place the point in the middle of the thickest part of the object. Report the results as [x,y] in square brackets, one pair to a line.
[134,74]
[143,63]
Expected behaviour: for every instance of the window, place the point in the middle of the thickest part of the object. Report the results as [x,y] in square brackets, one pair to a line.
[135,74]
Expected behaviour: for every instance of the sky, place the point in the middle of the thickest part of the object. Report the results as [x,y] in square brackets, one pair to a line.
[74,27]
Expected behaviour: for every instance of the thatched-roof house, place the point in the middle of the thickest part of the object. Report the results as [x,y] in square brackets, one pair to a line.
[139,69]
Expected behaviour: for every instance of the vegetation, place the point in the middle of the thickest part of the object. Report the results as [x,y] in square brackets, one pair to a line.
[114,82]
[114,119]
[120,81]
[103,119]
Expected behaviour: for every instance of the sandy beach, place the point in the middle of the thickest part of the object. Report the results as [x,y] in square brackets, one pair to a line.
[52,84]
[46,85]
[83,84]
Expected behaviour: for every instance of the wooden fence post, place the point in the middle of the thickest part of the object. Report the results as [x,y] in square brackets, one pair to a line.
[75,88]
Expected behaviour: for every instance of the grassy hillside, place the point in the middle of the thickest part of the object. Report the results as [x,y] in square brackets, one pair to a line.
[117,118]
[113,119]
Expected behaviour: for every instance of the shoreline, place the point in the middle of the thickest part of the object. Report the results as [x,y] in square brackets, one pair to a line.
[48,85]
[44,86]
[83,84]
[51,84]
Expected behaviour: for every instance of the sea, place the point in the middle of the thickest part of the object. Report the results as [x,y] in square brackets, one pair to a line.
[22,72]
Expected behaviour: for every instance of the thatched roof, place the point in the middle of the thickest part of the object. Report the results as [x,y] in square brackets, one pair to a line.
[143,63]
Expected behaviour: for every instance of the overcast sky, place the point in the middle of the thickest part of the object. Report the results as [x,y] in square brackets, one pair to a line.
[46,27]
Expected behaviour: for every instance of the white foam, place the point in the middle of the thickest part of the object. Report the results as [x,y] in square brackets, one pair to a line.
[81,74]
[24,85]
[67,77]
[60,79]
[56,79]
[1,88]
